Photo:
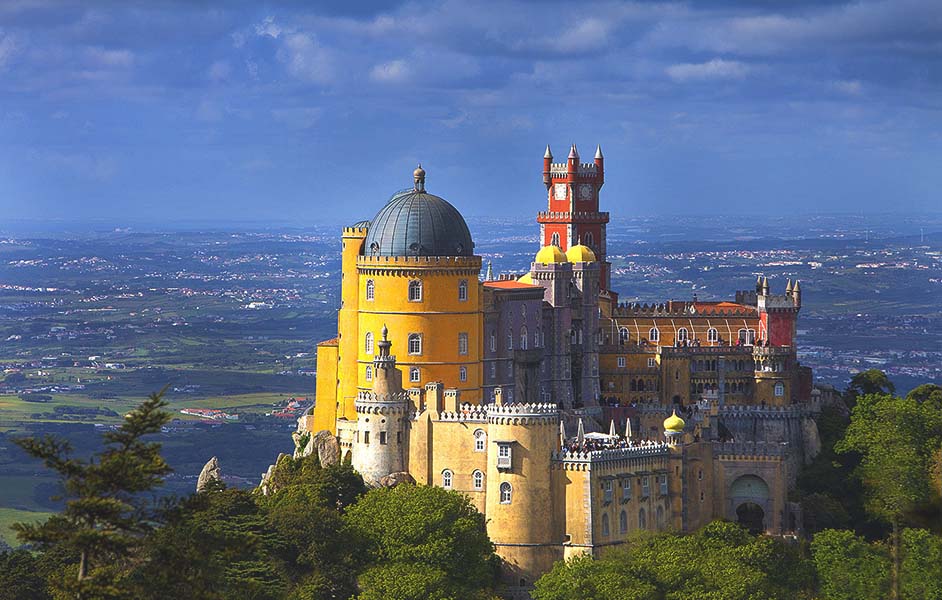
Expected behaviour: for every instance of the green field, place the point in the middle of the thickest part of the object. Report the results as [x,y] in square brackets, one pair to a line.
[9,516]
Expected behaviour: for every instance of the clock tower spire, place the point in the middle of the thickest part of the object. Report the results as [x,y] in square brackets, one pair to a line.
[573,206]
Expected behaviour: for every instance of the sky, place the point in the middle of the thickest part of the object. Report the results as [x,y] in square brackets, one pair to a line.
[172,110]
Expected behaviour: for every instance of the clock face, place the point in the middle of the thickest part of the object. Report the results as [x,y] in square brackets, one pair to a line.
[559,191]
[585,191]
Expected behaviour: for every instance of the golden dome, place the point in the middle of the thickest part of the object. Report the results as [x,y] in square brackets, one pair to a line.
[674,423]
[580,253]
[549,255]
[526,279]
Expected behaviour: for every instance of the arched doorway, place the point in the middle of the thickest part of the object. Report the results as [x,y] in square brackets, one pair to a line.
[750,515]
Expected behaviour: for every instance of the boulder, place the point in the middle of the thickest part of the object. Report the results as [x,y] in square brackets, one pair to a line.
[328,450]
[811,439]
[210,473]
[394,479]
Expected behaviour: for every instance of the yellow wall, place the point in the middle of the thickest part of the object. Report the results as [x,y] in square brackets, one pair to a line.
[325,404]
[347,322]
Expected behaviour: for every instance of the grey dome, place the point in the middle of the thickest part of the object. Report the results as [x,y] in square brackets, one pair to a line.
[415,223]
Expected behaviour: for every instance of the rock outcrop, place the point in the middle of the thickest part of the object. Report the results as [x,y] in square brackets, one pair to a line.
[211,472]
[394,479]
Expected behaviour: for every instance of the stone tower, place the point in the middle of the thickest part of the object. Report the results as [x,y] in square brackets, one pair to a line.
[381,442]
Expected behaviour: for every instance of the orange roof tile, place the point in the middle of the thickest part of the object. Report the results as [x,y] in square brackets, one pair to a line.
[330,342]
[510,284]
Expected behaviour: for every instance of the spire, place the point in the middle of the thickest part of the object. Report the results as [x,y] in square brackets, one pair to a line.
[547,154]
[580,434]
[788,287]
[562,432]
[758,284]
[628,428]
[611,429]
[797,287]
[489,275]
[598,152]
[573,153]
[765,285]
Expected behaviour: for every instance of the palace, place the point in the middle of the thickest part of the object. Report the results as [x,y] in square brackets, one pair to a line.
[569,419]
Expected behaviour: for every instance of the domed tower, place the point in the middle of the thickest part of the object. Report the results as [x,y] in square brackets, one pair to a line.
[585,314]
[674,429]
[519,502]
[418,276]
[381,442]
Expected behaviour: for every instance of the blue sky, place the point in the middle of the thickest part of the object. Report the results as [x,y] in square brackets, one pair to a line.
[301,111]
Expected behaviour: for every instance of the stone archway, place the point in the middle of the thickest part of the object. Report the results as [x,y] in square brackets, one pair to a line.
[751,516]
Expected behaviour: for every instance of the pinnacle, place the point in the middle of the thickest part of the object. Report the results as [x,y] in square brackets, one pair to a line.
[598,152]
[548,153]
[573,153]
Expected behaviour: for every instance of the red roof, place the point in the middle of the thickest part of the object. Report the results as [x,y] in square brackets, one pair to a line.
[330,342]
[510,284]
[727,307]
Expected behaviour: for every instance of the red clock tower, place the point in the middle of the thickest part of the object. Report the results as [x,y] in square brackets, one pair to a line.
[573,215]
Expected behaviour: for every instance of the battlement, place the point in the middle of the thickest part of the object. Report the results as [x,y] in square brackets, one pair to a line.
[685,350]
[355,232]
[584,169]
[643,450]
[584,217]
[681,307]
[766,351]
[467,413]
[733,411]
[770,302]
[369,403]
[748,450]
[419,261]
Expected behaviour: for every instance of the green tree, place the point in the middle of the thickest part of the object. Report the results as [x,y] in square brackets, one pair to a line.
[439,530]
[871,381]
[927,392]
[106,512]
[849,568]
[22,576]
[921,577]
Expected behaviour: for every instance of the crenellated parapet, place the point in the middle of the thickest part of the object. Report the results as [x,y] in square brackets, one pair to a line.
[734,411]
[371,403]
[468,413]
[413,266]
[750,450]
[523,414]
[628,458]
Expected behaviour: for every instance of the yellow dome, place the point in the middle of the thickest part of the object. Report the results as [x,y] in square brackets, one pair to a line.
[526,279]
[580,253]
[674,423]
[550,254]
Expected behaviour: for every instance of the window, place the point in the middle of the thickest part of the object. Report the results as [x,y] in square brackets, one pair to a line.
[605,527]
[463,344]
[622,362]
[700,475]
[446,479]
[712,335]
[660,517]
[366,438]
[654,335]
[462,373]
[555,241]
[623,522]
[536,338]
[524,338]
[645,487]
[369,373]
[608,489]
[589,239]
[652,362]
[642,520]
[779,389]
[504,456]
[493,370]
[415,291]
[747,336]
[415,343]
[370,290]
[480,440]
[414,375]
[505,493]
[478,479]
[493,342]
[463,290]
[623,335]
[662,480]
[626,489]
[523,311]
[368,343]
[510,340]
[382,438]
[682,335]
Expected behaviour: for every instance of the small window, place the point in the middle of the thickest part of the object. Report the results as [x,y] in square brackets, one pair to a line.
[504,456]
[623,522]
[605,527]
[463,290]
[652,363]
[626,489]
[645,487]
[415,343]
[510,340]
[480,440]
[370,290]
[682,335]
[523,311]
[712,335]
[506,493]
[663,484]
[779,389]
[366,438]
[462,373]
[700,475]
[478,479]
[368,343]
[463,344]
[382,438]
[589,239]
[623,335]
[660,517]
[493,343]
[493,370]
[369,373]
[622,362]
[414,375]
[555,240]
[608,490]
[524,338]
[415,291]
[446,479]
[654,335]
[642,519]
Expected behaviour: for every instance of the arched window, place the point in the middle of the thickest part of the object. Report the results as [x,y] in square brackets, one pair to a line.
[414,375]
[463,344]
[368,343]
[779,389]
[415,291]
[370,290]
[536,338]
[713,335]
[623,522]
[555,241]
[510,340]
[642,519]
[446,479]
[462,373]
[623,335]
[415,343]
[463,290]
[633,386]
[369,373]
[654,335]
[523,311]
[659,517]
[589,239]
[524,338]
[682,335]
[605,527]
[506,493]
[480,440]
[478,478]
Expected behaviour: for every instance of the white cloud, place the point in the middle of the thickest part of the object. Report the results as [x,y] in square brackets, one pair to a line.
[305,58]
[395,71]
[711,70]
[268,27]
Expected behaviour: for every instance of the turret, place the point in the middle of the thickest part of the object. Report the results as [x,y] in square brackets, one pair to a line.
[573,162]
[547,166]
[600,165]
